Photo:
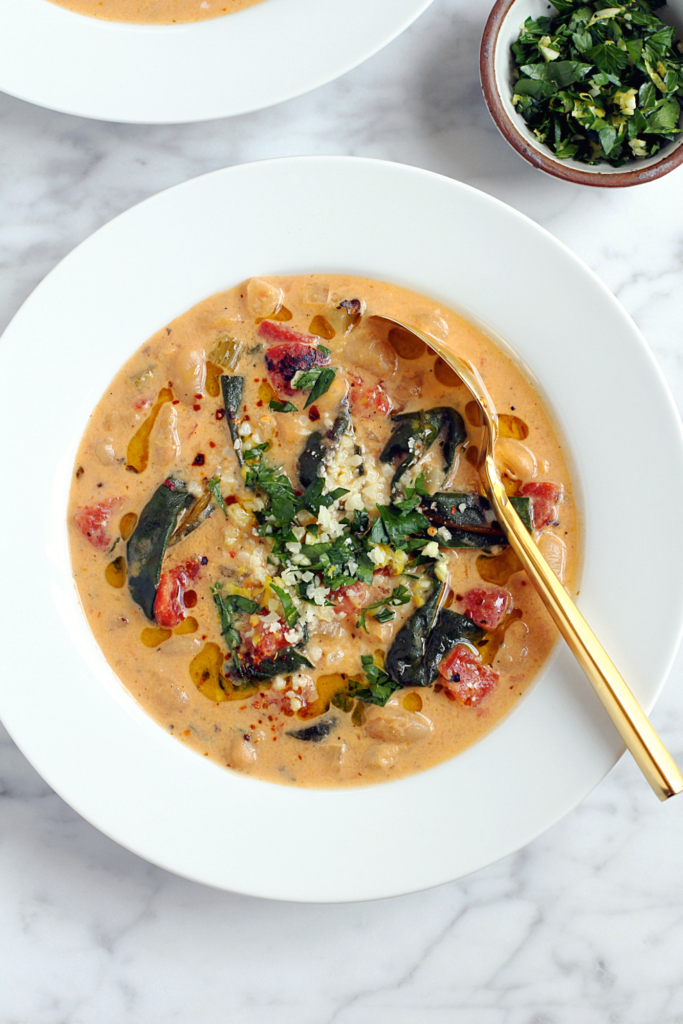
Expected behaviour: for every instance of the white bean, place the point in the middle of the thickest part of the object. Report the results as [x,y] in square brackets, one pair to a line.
[432,324]
[166,443]
[516,459]
[554,550]
[263,298]
[381,755]
[394,724]
[371,353]
[241,754]
[104,450]
[187,371]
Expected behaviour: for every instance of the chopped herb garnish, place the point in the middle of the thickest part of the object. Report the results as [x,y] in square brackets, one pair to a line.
[400,523]
[214,485]
[281,406]
[289,611]
[227,607]
[318,379]
[398,596]
[380,686]
[600,81]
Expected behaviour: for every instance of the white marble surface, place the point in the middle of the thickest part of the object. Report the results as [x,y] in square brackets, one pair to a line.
[584,926]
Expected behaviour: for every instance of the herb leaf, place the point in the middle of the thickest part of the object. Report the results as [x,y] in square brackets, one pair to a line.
[398,596]
[214,485]
[227,606]
[380,686]
[281,406]
[289,611]
[318,379]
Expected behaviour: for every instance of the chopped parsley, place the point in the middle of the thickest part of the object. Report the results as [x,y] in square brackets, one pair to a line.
[281,406]
[214,485]
[398,596]
[600,81]
[380,686]
[226,608]
[318,379]
[288,609]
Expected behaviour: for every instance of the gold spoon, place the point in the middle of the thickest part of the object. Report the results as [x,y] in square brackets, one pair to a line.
[632,723]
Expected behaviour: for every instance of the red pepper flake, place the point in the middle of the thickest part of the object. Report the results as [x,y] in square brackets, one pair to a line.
[199,459]
[220,413]
[259,403]
[199,397]
[197,408]
[231,500]
[212,444]
[314,413]
[170,484]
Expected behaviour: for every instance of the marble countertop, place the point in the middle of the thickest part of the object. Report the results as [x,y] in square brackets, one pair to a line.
[585,925]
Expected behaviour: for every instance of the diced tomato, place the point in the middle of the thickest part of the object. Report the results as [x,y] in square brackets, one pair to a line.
[544,501]
[283,361]
[372,401]
[487,605]
[465,677]
[92,521]
[267,640]
[169,603]
[278,332]
[349,599]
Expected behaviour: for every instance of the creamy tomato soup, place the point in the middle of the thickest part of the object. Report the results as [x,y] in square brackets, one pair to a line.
[280,541]
[156,12]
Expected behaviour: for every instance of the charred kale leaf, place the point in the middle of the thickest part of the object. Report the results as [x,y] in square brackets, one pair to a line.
[467,519]
[415,433]
[232,388]
[283,663]
[425,639]
[147,545]
[319,446]
[314,733]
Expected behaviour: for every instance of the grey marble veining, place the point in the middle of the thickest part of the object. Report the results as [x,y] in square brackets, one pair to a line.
[585,925]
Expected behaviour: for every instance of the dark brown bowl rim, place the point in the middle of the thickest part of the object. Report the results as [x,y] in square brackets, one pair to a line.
[619,179]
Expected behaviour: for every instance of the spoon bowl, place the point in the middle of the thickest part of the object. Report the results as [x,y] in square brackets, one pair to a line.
[632,723]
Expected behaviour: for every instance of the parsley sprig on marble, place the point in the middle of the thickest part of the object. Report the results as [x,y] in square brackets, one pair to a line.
[600,82]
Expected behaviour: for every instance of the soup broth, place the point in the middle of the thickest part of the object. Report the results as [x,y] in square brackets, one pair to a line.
[280,540]
[156,12]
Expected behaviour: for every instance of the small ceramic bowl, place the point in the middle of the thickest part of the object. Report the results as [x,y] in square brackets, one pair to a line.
[496,67]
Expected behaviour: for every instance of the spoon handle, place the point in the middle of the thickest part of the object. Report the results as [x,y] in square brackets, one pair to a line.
[633,725]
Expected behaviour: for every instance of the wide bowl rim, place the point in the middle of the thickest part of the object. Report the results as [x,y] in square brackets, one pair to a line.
[618,178]
[188,73]
[200,807]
